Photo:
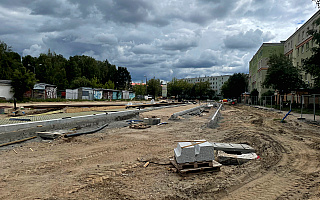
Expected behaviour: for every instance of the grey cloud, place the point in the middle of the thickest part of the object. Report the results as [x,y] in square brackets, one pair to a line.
[244,40]
[165,38]
[145,49]
[207,59]
[180,40]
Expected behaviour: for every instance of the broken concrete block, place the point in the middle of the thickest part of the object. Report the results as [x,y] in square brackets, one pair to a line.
[194,152]
[151,121]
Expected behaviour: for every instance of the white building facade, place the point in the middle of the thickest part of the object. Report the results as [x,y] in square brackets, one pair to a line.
[5,89]
[216,82]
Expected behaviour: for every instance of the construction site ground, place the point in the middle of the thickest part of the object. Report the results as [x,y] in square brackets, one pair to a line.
[105,165]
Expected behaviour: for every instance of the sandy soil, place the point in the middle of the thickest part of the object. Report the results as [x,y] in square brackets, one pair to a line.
[104,165]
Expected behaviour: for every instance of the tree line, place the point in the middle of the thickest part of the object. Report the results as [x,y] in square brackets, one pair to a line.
[177,88]
[52,68]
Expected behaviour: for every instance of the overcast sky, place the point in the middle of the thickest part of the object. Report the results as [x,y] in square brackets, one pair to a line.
[162,39]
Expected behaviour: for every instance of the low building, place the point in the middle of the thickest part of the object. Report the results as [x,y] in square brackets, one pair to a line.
[44,91]
[72,94]
[85,93]
[5,90]
[107,94]
[98,93]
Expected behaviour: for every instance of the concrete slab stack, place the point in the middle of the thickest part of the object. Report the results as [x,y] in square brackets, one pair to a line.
[187,152]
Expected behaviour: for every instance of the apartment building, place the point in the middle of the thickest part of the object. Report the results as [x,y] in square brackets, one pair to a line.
[216,82]
[258,65]
[298,46]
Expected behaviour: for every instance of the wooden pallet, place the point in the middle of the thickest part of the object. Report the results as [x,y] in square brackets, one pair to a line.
[196,166]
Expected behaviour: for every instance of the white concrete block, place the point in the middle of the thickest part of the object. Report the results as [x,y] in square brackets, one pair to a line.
[192,152]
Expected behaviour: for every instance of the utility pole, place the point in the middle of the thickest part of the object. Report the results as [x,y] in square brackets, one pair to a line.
[146,84]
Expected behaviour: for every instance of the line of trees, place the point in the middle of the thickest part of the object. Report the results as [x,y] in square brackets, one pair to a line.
[52,68]
[178,88]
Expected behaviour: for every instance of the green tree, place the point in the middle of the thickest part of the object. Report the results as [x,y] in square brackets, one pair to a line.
[235,86]
[9,61]
[282,75]
[22,81]
[154,87]
[254,93]
[81,82]
[123,80]
[312,64]
[203,90]
[139,89]
[109,85]
[95,83]
[179,87]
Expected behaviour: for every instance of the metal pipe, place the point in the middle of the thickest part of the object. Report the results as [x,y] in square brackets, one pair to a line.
[18,141]
[88,132]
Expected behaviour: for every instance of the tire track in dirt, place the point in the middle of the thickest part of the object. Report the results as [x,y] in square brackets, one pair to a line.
[296,161]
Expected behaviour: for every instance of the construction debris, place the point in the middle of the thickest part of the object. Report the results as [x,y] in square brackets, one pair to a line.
[53,134]
[235,159]
[235,148]
[151,121]
[146,165]
[199,155]
[139,126]
[228,153]
[196,166]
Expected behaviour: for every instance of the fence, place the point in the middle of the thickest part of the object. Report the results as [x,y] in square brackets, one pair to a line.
[304,104]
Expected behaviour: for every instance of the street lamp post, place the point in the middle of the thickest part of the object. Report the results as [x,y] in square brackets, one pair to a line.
[146,84]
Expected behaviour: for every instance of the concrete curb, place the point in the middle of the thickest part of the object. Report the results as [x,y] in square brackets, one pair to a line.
[214,120]
[175,115]
[11,132]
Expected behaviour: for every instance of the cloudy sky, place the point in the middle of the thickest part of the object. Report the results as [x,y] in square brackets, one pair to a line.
[162,39]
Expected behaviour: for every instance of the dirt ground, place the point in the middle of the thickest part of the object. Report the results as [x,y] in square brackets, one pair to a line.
[104,165]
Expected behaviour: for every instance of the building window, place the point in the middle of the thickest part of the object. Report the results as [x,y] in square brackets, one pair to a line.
[307,45]
[302,34]
[298,52]
[302,48]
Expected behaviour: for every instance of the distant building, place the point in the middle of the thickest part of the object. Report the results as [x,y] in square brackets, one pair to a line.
[5,89]
[258,65]
[164,92]
[298,46]
[216,82]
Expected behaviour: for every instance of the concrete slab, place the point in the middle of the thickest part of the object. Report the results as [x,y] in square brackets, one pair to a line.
[229,147]
[194,152]
[226,158]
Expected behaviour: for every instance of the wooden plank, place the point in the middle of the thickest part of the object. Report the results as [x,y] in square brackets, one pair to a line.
[196,166]
[193,144]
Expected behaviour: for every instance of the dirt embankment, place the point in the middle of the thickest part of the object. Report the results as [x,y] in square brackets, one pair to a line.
[104,165]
